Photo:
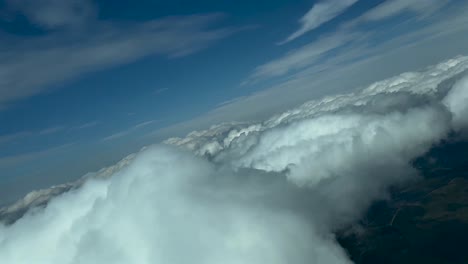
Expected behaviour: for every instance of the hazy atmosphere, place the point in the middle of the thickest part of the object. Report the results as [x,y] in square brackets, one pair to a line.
[176,132]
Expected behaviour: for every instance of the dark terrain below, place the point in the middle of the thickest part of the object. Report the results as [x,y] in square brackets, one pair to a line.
[426,222]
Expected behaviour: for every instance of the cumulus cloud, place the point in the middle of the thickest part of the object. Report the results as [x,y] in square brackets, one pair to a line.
[152,212]
[259,192]
[320,13]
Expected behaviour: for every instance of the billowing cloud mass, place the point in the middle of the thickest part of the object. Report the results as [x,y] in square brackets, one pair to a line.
[319,14]
[267,192]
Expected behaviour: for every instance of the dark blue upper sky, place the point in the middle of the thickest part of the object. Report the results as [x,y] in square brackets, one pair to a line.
[84,82]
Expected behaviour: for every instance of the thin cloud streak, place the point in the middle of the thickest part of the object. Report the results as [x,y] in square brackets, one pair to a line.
[391,8]
[88,125]
[160,91]
[130,130]
[350,35]
[320,13]
[51,130]
[300,58]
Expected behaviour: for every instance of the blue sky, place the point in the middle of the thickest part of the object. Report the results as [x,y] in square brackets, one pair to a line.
[85,82]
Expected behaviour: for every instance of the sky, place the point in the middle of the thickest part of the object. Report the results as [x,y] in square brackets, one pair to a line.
[83,83]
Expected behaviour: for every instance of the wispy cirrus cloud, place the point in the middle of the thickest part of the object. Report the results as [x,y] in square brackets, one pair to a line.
[132,129]
[319,14]
[87,125]
[76,42]
[160,91]
[391,8]
[300,58]
[357,40]
[52,130]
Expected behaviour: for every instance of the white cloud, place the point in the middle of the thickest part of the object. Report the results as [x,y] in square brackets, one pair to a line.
[163,213]
[320,13]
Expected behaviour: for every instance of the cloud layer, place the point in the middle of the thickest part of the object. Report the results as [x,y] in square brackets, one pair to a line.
[268,192]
